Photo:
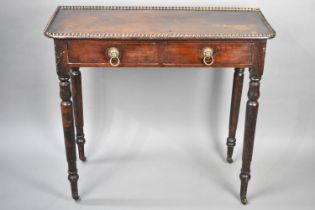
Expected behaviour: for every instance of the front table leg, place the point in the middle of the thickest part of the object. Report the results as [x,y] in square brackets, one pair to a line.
[78,110]
[249,136]
[68,128]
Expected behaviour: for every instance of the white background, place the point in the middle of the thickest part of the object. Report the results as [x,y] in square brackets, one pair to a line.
[156,138]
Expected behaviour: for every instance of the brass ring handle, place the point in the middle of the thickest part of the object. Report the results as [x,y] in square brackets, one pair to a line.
[113,55]
[206,62]
[113,63]
[208,59]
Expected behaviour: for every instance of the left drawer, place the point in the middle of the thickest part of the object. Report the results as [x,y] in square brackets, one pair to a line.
[95,53]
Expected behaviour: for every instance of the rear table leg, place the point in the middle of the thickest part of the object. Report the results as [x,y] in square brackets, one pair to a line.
[234,112]
[78,110]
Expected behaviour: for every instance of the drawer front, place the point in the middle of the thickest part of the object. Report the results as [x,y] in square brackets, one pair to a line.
[159,53]
[95,52]
[192,54]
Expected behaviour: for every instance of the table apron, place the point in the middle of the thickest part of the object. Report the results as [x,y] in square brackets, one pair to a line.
[94,53]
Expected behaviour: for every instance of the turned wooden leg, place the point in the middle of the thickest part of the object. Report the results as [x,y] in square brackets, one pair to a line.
[249,136]
[68,128]
[67,113]
[78,110]
[234,112]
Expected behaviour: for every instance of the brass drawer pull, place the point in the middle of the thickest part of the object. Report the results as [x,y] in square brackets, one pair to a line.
[113,55]
[208,59]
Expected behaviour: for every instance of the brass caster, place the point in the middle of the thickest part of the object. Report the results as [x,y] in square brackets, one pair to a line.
[229,159]
[244,200]
[82,158]
[76,196]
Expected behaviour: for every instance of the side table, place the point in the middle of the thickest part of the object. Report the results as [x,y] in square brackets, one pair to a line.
[108,36]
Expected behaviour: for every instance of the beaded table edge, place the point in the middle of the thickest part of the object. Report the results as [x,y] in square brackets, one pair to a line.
[56,35]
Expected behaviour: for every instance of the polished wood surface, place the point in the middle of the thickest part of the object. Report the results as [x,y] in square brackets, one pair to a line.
[158,22]
[158,37]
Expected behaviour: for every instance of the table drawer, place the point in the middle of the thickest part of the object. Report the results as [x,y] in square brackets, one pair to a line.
[95,52]
[159,53]
[192,54]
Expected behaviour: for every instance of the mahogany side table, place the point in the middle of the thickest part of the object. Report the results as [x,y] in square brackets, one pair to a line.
[107,36]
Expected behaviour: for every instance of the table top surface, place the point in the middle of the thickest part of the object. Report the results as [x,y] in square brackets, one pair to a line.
[109,22]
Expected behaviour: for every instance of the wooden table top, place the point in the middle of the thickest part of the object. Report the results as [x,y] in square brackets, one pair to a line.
[107,22]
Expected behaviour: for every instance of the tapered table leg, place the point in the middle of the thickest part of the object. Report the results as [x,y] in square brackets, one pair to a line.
[249,136]
[256,72]
[78,110]
[234,112]
[68,128]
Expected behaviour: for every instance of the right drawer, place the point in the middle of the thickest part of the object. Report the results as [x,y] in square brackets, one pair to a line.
[225,54]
